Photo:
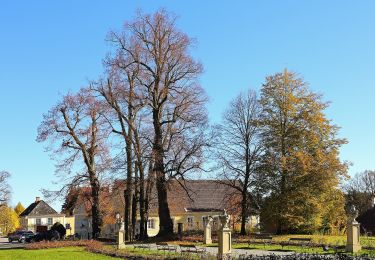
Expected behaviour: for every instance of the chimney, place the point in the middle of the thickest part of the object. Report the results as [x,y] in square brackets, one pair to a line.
[37,199]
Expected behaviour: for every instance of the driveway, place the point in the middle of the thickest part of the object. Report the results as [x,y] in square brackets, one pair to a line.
[4,244]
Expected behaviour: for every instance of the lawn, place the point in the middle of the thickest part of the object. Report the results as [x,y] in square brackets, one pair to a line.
[329,240]
[47,254]
[316,239]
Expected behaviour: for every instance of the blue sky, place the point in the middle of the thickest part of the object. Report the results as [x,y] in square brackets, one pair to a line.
[50,47]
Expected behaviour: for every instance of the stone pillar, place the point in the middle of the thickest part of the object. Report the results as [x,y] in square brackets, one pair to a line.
[121,237]
[352,237]
[207,240]
[225,236]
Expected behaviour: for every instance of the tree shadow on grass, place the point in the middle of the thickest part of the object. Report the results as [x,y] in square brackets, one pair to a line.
[282,250]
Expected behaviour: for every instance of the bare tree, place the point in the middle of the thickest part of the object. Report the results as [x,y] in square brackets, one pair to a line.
[168,78]
[120,93]
[239,148]
[4,187]
[77,137]
[360,191]
[142,150]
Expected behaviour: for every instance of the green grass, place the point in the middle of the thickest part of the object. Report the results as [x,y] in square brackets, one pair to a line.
[329,240]
[76,253]
[316,239]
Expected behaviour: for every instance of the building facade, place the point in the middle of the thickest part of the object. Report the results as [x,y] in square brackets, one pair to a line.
[39,217]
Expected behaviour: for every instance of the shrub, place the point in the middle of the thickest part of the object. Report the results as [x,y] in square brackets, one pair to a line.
[59,228]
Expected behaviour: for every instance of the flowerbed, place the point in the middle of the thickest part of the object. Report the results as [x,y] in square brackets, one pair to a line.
[58,244]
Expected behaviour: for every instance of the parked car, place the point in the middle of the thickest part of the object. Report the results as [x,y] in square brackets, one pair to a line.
[19,236]
[50,235]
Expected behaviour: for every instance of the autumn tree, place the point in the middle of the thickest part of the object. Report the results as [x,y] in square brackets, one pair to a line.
[239,148]
[4,187]
[9,221]
[19,208]
[301,162]
[168,79]
[78,137]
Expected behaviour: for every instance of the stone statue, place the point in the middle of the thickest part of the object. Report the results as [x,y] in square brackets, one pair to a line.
[210,220]
[224,219]
[353,213]
[225,236]
[207,231]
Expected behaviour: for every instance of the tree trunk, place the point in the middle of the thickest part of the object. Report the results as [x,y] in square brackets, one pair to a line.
[166,226]
[245,185]
[135,201]
[281,205]
[141,203]
[129,164]
[243,213]
[129,186]
[95,211]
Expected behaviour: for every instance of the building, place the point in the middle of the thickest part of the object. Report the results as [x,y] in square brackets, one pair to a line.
[39,217]
[78,207]
[190,206]
[193,202]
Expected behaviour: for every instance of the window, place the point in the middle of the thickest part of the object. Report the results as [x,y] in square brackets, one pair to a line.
[38,221]
[190,221]
[151,224]
[50,222]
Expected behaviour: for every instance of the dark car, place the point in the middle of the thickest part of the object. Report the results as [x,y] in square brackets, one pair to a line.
[19,236]
[50,235]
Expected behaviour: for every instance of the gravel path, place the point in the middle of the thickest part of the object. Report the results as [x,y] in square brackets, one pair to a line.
[255,252]
[235,252]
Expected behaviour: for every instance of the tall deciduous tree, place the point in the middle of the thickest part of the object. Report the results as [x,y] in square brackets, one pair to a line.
[4,187]
[9,221]
[75,129]
[168,78]
[120,93]
[239,148]
[301,160]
